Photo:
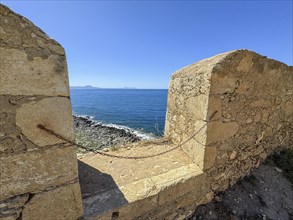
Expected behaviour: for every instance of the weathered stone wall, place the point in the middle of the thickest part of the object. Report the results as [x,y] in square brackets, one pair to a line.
[188,112]
[229,111]
[255,96]
[241,104]
[38,171]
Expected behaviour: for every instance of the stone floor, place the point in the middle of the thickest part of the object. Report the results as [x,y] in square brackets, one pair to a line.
[108,183]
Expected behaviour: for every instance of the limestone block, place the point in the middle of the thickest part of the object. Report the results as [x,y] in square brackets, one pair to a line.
[195,151]
[188,96]
[177,182]
[219,131]
[210,154]
[197,107]
[132,200]
[245,64]
[223,82]
[36,170]
[198,196]
[138,190]
[214,109]
[102,203]
[49,75]
[54,113]
[138,208]
[61,203]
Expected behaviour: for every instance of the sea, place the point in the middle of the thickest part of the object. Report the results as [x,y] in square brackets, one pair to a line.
[141,110]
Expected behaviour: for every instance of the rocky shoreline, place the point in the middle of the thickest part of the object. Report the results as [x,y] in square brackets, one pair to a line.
[95,135]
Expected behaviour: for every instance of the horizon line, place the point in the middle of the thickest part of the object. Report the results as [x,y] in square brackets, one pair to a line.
[96,87]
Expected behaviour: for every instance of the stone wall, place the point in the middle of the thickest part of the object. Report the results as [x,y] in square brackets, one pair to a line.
[255,96]
[242,105]
[228,113]
[38,171]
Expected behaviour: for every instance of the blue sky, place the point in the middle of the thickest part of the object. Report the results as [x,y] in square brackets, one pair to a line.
[114,44]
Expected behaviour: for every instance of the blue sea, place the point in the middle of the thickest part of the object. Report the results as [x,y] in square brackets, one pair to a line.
[142,110]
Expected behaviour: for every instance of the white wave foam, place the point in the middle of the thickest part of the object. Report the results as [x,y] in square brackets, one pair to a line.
[85,116]
[141,135]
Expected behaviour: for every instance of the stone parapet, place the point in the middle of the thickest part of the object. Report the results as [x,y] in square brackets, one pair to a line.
[244,99]
[225,115]
[38,172]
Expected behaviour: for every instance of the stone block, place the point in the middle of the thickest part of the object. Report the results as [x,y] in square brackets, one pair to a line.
[50,74]
[37,170]
[61,203]
[210,154]
[123,202]
[223,82]
[138,208]
[246,63]
[138,190]
[214,109]
[198,196]
[197,107]
[103,203]
[46,112]
[218,131]
[177,182]
[195,150]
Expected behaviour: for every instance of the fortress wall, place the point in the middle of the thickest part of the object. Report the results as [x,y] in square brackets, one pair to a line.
[227,112]
[254,97]
[246,102]
[38,171]
[187,111]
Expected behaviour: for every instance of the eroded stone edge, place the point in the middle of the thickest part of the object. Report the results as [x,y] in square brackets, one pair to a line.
[147,188]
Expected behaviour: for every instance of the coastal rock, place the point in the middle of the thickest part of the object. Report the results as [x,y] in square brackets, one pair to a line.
[96,135]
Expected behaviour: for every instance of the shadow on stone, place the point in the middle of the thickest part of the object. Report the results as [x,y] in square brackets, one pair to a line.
[99,191]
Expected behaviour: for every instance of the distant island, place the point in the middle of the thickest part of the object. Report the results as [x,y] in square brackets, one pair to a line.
[92,87]
[84,87]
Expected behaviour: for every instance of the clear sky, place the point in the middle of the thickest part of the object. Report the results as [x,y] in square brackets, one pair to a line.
[141,43]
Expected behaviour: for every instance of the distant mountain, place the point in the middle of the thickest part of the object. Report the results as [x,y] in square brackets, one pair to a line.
[84,87]
[128,88]
[92,87]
